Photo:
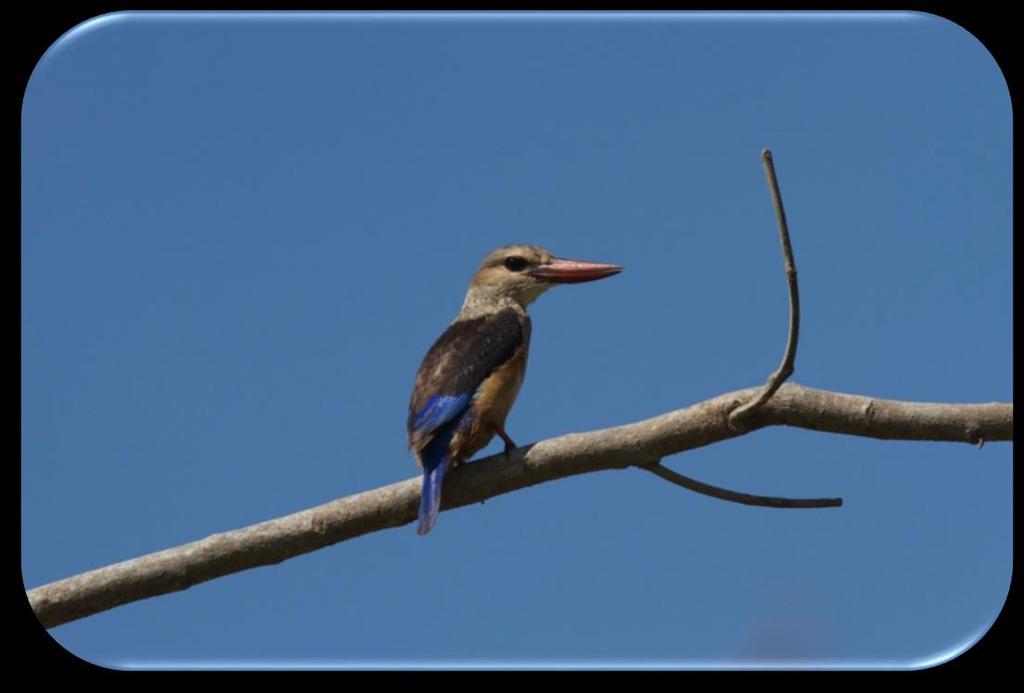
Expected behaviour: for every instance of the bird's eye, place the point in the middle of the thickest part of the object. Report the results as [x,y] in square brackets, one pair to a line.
[515,264]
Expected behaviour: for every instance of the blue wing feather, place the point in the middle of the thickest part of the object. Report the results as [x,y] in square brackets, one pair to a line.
[439,410]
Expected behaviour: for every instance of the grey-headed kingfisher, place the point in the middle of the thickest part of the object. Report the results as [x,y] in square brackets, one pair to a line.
[471,375]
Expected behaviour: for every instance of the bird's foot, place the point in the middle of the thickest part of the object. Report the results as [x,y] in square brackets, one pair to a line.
[510,444]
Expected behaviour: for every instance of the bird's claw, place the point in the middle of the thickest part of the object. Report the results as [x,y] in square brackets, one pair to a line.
[510,444]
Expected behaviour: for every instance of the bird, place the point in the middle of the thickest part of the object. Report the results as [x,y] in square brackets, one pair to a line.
[470,377]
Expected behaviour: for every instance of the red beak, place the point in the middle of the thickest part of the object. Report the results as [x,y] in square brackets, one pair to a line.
[562,271]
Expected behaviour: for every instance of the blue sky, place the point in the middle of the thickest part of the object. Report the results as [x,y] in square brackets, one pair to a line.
[242,232]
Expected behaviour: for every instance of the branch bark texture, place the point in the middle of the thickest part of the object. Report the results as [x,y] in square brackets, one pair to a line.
[640,444]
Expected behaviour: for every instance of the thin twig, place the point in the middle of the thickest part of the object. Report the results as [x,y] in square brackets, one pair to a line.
[736,496]
[789,358]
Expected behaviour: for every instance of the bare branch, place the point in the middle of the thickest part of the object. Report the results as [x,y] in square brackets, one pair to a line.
[637,444]
[789,357]
[686,482]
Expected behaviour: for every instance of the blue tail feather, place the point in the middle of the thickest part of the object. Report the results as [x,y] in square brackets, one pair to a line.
[435,464]
[430,499]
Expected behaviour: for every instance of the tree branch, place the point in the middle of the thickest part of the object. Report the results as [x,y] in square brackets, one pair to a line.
[640,444]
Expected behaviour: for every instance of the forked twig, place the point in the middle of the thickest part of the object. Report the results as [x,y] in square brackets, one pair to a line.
[774,381]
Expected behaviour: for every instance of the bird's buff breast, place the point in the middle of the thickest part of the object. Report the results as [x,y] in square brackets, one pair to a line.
[490,406]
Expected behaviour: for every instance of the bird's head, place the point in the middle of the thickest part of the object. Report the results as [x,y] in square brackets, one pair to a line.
[524,272]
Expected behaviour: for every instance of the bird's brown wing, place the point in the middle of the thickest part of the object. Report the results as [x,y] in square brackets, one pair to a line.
[455,366]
